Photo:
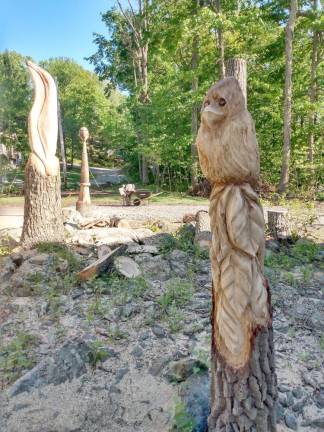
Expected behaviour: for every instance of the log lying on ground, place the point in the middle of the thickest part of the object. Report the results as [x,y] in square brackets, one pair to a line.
[100,223]
[100,265]
[278,224]
[203,233]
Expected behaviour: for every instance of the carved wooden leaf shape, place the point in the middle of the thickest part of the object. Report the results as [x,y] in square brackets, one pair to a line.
[238,223]
[229,327]
[259,297]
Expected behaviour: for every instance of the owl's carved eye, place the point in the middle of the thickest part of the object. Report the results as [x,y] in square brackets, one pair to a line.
[206,103]
[222,102]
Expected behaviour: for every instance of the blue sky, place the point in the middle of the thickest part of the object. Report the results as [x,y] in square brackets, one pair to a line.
[52,28]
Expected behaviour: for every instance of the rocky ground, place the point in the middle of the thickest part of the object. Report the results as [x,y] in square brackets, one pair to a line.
[125,354]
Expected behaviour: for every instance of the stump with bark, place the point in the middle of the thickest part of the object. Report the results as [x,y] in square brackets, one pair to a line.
[243,388]
[202,232]
[278,224]
[43,219]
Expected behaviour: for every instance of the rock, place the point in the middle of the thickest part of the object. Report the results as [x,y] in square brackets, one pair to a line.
[138,249]
[127,267]
[68,363]
[194,394]
[291,421]
[72,216]
[137,351]
[154,267]
[280,412]
[180,370]
[10,237]
[157,365]
[39,259]
[178,262]
[317,422]
[103,250]
[319,256]
[110,236]
[273,245]
[7,268]
[159,331]
[128,310]
[62,265]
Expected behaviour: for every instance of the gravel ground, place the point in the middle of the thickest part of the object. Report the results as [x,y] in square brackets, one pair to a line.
[172,213]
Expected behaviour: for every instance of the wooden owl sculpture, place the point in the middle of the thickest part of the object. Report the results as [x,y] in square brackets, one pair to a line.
[229,158]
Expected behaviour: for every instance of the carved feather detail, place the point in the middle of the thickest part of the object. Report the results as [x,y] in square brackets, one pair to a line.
[240,295]
[42,122]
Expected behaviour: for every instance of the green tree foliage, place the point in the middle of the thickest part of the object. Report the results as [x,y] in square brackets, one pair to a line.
[83,103]
[15,96]
[251,29]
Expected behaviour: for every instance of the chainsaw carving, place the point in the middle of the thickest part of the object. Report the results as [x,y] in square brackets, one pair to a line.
[43,220]
[42,122]
[229,158]
[83,204]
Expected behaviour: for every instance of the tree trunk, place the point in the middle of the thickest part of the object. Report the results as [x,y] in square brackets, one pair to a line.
[220,40]
[43,219]
[243,386]
[145,178]
[245,401]
[202,231]
[61,139]
[284,177]
[236,67]
[194,109]
[312,90]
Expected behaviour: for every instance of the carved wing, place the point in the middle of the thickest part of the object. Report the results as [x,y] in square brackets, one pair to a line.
[42,120]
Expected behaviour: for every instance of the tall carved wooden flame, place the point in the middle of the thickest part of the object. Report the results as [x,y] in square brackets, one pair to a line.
[243,389]
[42,215]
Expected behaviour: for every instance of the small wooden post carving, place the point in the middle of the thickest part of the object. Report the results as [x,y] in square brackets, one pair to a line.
[243,388]
[43,220]
[83,204]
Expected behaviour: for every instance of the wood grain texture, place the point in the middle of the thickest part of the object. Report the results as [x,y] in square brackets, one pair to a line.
[42,122]
[229,158]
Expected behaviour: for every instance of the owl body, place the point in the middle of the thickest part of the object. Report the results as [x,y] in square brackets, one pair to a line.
[226,141]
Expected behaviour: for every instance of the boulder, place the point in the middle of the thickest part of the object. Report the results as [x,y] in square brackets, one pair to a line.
[127,267]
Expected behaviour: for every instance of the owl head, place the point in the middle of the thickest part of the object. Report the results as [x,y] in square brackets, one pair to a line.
[222,102]
[226,141]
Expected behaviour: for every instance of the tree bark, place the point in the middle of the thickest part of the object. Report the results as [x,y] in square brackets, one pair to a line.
[243,385]
[284,177]
[43,219]
[202,231]
[61,139]
[216,6]
[194,109]
[236,67]
[245,401]
[312,90]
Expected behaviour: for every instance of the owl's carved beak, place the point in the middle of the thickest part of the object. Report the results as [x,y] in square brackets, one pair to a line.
[211,116]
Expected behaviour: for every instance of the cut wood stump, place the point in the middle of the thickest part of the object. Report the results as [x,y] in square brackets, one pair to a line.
[99,266]
[278,224]
[203,233]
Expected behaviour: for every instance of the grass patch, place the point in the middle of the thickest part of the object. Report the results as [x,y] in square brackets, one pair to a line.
[182,420]
[16,357]
[61,251]
[178,293]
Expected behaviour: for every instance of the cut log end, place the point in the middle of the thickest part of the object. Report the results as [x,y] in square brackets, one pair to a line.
[203,232]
